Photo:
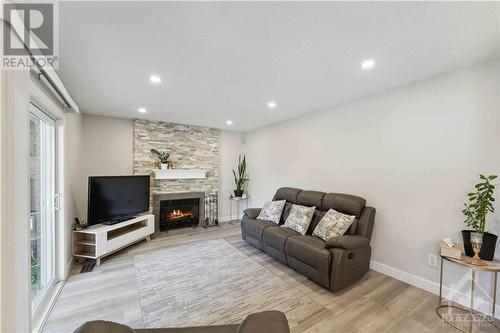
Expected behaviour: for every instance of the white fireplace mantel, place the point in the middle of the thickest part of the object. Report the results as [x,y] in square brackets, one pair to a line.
[180,174]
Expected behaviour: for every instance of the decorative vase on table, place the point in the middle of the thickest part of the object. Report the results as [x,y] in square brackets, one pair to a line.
[478,243]
[489,242]
[476,240]
[164,166]
[238,193]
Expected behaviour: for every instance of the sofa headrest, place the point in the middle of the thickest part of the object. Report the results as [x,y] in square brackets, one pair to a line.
[287,193]
[102,326]
[266,321]
[344,203]
[310,198]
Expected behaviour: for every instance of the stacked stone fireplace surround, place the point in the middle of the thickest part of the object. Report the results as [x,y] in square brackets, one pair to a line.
[190,147]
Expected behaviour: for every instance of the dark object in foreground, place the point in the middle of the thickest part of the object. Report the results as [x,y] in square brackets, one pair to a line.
[267,321]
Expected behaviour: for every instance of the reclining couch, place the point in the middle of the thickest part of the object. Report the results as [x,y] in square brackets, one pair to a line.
[335,264]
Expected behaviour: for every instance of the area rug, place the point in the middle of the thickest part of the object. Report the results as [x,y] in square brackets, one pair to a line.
[210,283]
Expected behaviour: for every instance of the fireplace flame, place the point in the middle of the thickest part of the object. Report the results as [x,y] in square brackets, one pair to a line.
[178,214]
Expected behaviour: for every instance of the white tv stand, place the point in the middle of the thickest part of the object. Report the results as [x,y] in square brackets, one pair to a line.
[101,240]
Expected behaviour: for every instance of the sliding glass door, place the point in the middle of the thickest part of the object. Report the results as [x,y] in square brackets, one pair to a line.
[42,203]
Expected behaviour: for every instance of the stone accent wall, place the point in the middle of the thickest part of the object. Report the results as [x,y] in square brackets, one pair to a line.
[190,147]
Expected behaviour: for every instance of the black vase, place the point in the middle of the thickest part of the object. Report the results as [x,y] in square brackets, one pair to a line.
[487,248]
[238,193]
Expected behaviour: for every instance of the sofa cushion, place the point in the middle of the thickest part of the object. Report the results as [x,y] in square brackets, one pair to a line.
[272,211]
[307,254]
[318,215]
[287,193]
[299,218]
[344,203]
[286,212]
[276,237]
[333,224]
[254,228]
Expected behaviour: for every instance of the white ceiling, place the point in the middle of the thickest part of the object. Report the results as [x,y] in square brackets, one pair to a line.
[221,61]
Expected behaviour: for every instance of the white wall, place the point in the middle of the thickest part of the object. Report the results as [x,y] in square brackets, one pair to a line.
[413,152]
[230,147]
[106,150]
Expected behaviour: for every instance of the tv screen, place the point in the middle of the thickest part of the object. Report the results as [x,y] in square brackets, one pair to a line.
[117,197]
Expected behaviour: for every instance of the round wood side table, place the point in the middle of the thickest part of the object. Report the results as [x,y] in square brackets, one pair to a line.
[492,267]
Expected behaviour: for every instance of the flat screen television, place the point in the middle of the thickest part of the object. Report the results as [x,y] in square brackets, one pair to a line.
[116,198]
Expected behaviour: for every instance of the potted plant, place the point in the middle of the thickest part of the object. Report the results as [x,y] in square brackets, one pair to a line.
[240,177]
[475,211]
[161,157]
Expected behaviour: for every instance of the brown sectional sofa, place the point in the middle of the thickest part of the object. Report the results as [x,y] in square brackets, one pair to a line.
[335,264]
[266,321]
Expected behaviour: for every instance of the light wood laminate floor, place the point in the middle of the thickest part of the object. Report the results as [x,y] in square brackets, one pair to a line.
[377,303]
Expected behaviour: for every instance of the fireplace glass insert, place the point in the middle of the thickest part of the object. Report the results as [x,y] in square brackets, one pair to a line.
[179,213]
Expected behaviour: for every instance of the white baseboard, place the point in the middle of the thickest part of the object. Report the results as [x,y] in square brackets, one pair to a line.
[457,296]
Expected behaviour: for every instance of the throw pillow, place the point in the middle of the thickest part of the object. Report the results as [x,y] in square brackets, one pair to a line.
[333,224]
[272,211]
[299,218]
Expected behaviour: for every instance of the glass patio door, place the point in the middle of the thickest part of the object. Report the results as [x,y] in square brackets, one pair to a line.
[42,199]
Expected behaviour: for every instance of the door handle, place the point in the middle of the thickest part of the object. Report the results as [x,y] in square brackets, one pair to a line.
[57,201]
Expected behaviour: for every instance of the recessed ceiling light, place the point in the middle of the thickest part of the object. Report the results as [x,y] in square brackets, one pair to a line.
[142,110]
[155,79]
[229,122]
[368,64]
[271,105]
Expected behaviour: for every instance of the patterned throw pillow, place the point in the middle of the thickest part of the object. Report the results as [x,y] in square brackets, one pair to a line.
[272,211]
[299,218]
[333,224]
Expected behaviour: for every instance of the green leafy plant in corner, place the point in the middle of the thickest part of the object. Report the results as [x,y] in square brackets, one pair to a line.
[160,156]
[480,204]
[241,177]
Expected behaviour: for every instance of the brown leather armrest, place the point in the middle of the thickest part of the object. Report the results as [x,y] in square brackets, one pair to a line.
[266,321]
[252,213]
[348,242]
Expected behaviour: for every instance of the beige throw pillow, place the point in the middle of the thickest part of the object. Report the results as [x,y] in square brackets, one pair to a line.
[272,211]
[299,218]
[333,224]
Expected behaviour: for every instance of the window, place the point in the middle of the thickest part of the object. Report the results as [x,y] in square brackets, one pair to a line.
[42,200]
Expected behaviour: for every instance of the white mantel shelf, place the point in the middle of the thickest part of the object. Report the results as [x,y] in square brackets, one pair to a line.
[180,174]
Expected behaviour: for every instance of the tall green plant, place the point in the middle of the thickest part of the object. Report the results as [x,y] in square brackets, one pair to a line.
[241,177]
[480,204]
[160,156]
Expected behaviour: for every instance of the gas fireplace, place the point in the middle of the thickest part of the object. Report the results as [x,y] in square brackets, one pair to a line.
[177,210]
[179,213]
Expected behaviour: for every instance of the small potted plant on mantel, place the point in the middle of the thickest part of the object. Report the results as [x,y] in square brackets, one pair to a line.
[478,243]
[161,157]
[240,177]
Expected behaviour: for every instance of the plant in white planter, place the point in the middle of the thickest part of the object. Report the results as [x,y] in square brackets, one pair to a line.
[161,157]
[477,242]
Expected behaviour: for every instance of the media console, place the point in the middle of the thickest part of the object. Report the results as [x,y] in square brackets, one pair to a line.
[101,240]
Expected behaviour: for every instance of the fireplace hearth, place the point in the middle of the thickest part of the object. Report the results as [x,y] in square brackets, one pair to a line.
[179,213]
